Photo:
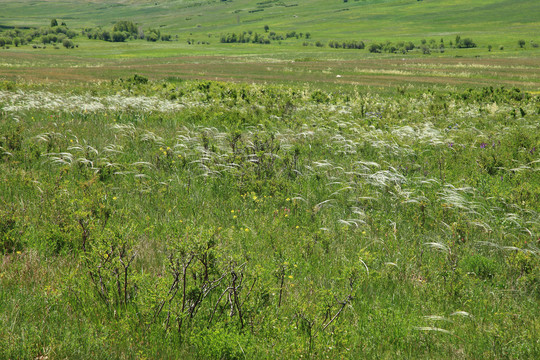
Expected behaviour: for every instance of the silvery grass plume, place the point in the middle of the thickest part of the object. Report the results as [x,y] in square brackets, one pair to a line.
[384,178]
[151,137]
[454,197]
[439,247]
[533,250]
[125,130]
[63,158]
[437,318]
[42,100]
[425,133]
[5,152]
[429,328]
[355,221]
[49,137]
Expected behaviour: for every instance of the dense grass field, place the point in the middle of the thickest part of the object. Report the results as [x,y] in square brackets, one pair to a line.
[200,199]
[208,219]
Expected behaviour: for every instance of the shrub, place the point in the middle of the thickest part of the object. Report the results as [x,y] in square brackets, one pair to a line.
[68,44]
[126,26]
[466,43]
[71,34]
[374,48]
[118,36]
[152,36]
[521,43]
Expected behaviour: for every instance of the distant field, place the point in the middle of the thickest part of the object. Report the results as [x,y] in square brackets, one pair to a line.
[498,21]
[495,26]
[373,72]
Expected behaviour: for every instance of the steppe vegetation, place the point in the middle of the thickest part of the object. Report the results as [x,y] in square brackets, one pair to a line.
[205,219]
[238,179]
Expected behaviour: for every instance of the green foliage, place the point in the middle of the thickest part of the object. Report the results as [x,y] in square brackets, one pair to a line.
[68,44]
[10,234]
[205,219]
[125,26]
[479,266]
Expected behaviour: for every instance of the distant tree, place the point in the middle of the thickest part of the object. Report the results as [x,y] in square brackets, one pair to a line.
[105,35]
[126,26]
[266,28]
[2,42]
[490,47]
[60,30]
[118,36]
[521,43]
[16,41]
[54,23]
[375,48]
[71,34]
[466,43]
[152,36]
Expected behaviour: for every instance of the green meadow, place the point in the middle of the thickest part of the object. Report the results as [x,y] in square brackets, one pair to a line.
[271,179]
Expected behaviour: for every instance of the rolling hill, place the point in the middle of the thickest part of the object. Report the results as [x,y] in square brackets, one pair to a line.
[367,20]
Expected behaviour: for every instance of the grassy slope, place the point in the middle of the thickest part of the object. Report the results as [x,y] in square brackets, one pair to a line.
[484,19]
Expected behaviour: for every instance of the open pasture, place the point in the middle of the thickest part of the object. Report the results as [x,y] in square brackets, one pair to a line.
[381,73]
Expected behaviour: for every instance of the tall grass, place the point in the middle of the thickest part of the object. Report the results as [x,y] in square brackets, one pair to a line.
[219,220]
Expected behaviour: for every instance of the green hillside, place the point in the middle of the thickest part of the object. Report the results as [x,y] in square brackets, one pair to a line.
[378,19]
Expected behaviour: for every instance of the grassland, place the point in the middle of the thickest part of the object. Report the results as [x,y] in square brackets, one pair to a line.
[239,201]
[213,220]
[493,20]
